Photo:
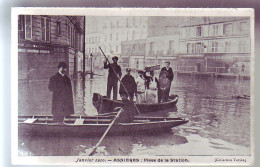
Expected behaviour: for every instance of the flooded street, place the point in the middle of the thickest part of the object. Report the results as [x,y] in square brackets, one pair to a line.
[218,124]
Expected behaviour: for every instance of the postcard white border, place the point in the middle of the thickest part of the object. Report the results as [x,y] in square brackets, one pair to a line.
[70,160]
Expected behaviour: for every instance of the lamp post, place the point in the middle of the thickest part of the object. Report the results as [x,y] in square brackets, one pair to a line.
[91,66]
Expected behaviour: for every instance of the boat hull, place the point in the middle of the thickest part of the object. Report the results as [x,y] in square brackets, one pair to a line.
[105,105]
[147,125]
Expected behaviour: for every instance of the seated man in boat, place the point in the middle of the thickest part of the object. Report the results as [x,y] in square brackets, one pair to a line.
[62,97]
[127,86]
[140,82]
[127,115]
[151,88]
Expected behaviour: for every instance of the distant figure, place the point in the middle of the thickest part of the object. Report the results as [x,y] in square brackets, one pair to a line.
[140,83]
[164,87]
[226,68]
[152,87]
[169,75]
[127,82]
[114,71]
[62,99]
[243,68]
[235,66]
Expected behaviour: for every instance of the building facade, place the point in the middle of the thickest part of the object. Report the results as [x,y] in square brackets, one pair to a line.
[109,32]
[215,44]
[44,41]
[162,43]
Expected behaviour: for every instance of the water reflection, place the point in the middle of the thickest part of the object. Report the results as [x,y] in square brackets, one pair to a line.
[218,122]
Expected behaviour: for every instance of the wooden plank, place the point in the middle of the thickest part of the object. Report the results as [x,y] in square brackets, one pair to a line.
[79,122]
[30,120]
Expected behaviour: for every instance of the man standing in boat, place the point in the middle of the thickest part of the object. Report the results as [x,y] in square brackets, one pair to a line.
[169,75]
[62,98]
[114,71]
[128,83]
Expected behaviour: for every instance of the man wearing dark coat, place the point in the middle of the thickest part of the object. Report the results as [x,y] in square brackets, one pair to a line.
[114,71]
[169,75]
[129,83]
[62,98]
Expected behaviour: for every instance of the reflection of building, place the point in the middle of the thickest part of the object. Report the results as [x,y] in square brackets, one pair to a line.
[211,43]
[44,41]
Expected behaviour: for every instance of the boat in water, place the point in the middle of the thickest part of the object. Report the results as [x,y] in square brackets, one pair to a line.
[105,105]
[93,125]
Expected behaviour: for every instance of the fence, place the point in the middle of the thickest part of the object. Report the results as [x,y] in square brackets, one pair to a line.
[231,70]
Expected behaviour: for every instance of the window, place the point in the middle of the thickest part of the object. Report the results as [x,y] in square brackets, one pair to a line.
[116,49]
[227,47]
[151,46]
[116,36]
[111,37]
[21,27]
[45,26]
[28,27]
[58,28]
[193,48]
[214,47]
[227,29]
[243,27]
[242,46]
[215,29]
[198,48]
[133,35]
[171,45]
[117,23]
[127,22]
[198,32]
[188,48]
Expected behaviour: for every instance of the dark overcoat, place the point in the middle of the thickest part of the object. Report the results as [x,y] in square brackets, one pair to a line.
[129,83]
[62,99]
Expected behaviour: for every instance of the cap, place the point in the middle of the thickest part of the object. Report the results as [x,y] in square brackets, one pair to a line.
[128,70]
[115,58]
[62,64]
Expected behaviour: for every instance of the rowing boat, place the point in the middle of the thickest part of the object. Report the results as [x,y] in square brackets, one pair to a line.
[105,105]
[93,125]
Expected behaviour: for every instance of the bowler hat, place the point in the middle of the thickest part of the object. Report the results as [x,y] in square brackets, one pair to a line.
[62,64]
[128,70]
[115,58]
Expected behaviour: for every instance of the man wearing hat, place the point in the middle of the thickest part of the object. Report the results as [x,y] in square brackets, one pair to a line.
[127,86]
[114,72]
[62,98]
[169,75]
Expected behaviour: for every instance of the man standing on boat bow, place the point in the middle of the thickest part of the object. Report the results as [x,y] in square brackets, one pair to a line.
[114,70]
[62,98]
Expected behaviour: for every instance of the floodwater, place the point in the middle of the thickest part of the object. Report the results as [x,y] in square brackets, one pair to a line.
[218,124]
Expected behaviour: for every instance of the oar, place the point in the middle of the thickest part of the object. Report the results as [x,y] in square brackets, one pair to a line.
[120,82]
[104,135]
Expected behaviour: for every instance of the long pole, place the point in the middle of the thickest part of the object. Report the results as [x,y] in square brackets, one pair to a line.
[84,49]
[120,81]
[104,135]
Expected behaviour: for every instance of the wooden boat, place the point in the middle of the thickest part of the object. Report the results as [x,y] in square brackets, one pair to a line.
[93,125]
[105,105]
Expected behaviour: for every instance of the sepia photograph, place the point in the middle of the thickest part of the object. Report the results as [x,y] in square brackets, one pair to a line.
[132,86]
